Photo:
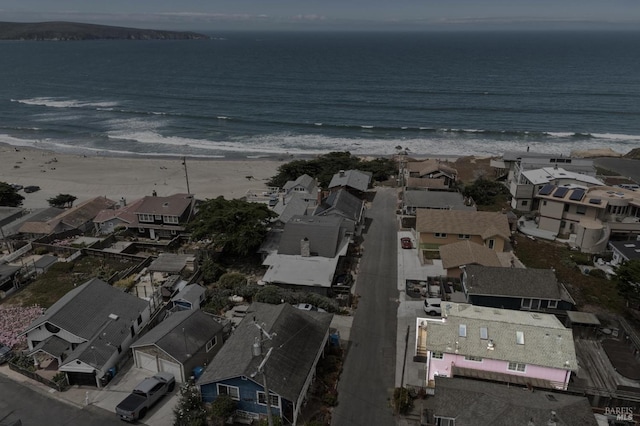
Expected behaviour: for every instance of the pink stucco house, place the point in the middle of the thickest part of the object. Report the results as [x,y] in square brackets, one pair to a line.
[523,348]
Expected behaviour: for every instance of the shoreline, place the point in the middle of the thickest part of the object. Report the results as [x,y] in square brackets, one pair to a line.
[131,178]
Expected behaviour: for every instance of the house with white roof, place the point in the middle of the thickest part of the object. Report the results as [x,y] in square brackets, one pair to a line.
[526,183]
[499,345]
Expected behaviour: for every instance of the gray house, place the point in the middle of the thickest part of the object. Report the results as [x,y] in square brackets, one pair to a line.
[354,181]
[343,204]
[182,342]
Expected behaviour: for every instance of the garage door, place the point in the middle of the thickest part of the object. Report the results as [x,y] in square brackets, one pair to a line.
[146,361]
[173,368]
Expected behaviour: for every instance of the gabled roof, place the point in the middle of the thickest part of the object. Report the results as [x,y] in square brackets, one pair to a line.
[181,334]
[430,166]
[294,205]
[351,178]
[479,403]
[324,233]
[546,342]
[125,213]
[484,224]
[467,253]
[86,309]
[75,217]
[513,282]
[343,203]
[435,200]
[173,205]
[299,338]
[416,182]
[305,181]
[36,216]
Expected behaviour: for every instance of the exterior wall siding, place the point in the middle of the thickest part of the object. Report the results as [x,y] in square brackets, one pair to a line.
[248,389]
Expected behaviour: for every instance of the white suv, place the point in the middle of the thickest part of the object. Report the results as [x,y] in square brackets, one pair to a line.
[432,306]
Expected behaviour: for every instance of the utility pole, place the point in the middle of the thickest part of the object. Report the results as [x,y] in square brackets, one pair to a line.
[186,175]
[262,368]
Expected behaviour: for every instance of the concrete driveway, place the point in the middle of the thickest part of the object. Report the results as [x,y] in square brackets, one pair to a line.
[160,415]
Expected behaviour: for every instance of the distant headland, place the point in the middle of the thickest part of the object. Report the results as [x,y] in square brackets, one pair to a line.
[66,31]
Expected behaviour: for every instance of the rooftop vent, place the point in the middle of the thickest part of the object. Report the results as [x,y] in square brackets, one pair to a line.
[113,317]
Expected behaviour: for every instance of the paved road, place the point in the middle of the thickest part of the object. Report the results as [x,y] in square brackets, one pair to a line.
[368,377]
[18,401]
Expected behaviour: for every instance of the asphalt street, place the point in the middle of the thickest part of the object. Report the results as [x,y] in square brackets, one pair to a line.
[368,377]
[18,401]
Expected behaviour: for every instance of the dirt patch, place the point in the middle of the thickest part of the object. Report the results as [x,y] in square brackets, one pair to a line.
[471,168]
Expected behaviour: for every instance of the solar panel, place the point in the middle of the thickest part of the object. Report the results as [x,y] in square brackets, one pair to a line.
[561,192]
[577,194]
[546,190]
[595,201]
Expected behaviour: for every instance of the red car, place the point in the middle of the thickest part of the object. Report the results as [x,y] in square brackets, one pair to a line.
[405,242]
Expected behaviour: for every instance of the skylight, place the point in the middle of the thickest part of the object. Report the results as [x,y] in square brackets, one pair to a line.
[520,337]
[484,333]
[462,330]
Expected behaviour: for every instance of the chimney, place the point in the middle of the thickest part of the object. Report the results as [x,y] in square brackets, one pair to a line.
[341,173]
[305,247]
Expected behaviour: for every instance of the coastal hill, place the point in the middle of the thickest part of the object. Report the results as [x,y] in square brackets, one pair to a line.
[78,31]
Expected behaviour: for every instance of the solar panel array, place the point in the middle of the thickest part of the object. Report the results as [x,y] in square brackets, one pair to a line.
[595,201]
[560,192]
[546,190]
[577,195]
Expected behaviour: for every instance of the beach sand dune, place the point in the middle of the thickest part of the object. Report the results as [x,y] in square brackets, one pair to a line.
[130,178]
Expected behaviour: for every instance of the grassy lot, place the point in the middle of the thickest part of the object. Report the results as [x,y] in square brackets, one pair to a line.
[590,293]
[63,277]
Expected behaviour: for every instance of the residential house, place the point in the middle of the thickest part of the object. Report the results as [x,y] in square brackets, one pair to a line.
[456,256]
[431,169]
[343,204]
[170,272]
[310,251]
[181,343]
[286,361]
[163,217]
[426,184]
[354,181]
[108,220]
[464,402]
[297,204]
[304,186]
[437,200]
[36,216]
[516,288]
[624,251]
[594,215]
[513,162]
[88,331]
[192,296]
[524,348]
[435,228]
[526,184]
[79,217]
[10,214]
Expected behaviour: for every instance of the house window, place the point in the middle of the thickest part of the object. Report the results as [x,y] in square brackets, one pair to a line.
[232,391]
[440,235]
[143,217]
[473,358]
[566,207]
[525,203]
[463,236]
[491,243]
[553,304]
[211,343]
[158,217]
[544,202]
[170,219]
[516,366]
[275,399]
[581,210]
[532,304]
[437,355]
[141,230]
[445,421]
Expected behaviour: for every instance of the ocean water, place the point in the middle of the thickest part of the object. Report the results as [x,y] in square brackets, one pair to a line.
[287,94]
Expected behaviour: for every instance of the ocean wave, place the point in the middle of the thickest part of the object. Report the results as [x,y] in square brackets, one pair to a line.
[65,103]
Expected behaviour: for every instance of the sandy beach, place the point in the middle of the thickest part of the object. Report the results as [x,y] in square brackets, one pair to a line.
[114,177]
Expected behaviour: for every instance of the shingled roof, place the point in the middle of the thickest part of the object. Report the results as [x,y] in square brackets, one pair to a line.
[467,253]
[479,403]
[355,179]
[484,224]
[324,233]
[299,337]
[341,203]
[515,282]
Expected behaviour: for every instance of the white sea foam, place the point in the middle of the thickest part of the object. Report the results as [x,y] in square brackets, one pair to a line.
[65,103]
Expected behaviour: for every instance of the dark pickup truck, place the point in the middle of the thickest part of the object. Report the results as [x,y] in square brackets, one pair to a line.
[148,392]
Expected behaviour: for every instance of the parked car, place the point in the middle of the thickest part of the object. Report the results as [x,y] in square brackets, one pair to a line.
[144,396]
[405,242]
[308,307]
[5,353]
[432,306]
[31,188]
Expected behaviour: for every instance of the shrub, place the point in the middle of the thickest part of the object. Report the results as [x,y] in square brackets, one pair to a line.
[126,283]
[401,402]
[597,273]
[232,280]
[189,411]
[221,409]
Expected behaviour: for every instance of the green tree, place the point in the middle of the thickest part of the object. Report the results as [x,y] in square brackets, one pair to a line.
[9,196]
[235,225]
[62,200]
[628,279]
[486,192]
[221,409]
[189,410]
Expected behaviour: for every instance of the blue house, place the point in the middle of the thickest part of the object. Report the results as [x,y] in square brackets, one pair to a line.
[298,341]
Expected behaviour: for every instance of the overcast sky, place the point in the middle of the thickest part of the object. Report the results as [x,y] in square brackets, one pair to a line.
[211,15]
